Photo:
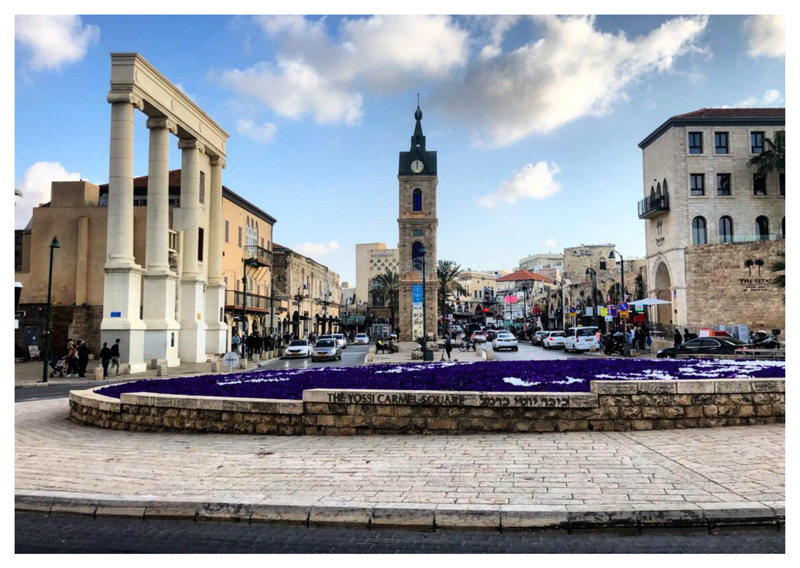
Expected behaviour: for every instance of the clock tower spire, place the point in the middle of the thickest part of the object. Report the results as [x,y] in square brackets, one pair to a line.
[417,224]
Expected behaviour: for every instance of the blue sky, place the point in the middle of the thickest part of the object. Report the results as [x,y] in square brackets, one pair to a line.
[536,119]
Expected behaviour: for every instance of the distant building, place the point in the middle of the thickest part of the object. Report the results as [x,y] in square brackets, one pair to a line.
[713,225]
[537,262]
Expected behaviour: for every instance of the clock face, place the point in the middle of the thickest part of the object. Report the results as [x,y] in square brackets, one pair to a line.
[417,166]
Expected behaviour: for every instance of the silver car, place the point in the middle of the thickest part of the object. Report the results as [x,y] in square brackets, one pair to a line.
[326,350]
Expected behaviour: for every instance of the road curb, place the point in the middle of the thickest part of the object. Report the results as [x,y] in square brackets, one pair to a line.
[412,515]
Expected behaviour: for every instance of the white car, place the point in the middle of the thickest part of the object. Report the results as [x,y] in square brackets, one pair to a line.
[362,339]
[580,339]
[341,339]
[298,348]
[326,350]
[553,340]
[505,340]
[479,337]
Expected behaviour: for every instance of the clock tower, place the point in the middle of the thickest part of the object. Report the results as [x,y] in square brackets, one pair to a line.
[417,224]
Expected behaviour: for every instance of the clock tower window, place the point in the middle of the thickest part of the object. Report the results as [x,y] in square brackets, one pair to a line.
[417,200]
[416,255]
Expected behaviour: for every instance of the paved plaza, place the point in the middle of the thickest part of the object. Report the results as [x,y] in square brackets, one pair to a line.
[696,468]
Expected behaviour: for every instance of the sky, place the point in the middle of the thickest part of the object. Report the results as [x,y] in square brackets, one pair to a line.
[535,119]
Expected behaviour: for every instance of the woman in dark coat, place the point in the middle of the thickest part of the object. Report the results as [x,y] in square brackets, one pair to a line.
[105,358]
[678,338]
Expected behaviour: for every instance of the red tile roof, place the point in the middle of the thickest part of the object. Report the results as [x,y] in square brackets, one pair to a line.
[523,275]
[735,113]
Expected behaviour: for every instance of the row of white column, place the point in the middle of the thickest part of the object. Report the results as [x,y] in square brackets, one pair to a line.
[157,334]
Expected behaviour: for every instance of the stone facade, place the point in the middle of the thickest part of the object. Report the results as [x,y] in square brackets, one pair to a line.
[610,405]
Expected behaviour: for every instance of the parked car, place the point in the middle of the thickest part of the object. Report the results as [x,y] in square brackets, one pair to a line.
[298,348]
[538,336]
[326,350]
[706,346]
[341,339]
[505,340]
[362,339]
[580,339]
[479,337]
[553,340]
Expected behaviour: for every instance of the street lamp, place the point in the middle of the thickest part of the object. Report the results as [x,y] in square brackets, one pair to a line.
[621,274]
[524,309]
[273,278]
[299,297]
[561,304]
[423,251]
[53,245]
[593,274]
[252,262]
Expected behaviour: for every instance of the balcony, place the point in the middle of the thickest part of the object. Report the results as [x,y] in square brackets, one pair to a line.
[261,255]
[255,303]
[653,206]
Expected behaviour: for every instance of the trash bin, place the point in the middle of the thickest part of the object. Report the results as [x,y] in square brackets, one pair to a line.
[428,355]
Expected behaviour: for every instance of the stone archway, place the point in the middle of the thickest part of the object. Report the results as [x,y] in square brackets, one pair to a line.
[663,290]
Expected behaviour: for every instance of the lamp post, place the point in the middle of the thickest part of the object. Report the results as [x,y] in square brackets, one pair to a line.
[53,245]
[621,274]
[423,251]
[524,309]
[272,281]
[245,263]
[299,299]
[561,304]
[593,274]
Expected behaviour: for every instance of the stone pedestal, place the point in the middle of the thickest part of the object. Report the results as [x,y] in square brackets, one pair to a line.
[121,314]
[192,344]
[162,338]
[216,328]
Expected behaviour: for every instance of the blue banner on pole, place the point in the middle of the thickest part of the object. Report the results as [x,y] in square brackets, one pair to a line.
[416,294]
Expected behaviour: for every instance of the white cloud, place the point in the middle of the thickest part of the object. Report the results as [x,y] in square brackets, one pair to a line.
[263,133]
[54,41]
[770,98]
[315,250]
[530,182]
[766,36]
[550,244]
[573,70]
[317,76]
[35,188]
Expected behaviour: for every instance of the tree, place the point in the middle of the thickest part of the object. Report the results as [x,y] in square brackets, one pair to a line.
[773,157]
[389,285]
[447,271]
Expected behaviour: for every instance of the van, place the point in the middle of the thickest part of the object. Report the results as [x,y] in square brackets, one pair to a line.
[581,338]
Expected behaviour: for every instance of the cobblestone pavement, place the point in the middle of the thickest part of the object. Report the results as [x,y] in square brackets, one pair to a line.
[37,533]
[668,467]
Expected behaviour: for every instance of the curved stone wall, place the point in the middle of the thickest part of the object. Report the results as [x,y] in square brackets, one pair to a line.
[610,405]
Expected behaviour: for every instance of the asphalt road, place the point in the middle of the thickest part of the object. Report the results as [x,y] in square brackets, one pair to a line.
[38,533]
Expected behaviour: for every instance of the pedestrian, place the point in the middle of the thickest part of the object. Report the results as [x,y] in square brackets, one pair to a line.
[235,341]
[105,358]
[688,336]
[115,355]
[72,359]
[678,338]
[83,357]
[448,345]
[642,337]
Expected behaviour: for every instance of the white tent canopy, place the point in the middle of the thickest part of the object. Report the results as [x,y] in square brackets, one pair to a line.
[649,302]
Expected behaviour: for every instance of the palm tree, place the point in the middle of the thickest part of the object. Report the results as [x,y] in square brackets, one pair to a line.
[447,271]
[780,266]
[773,157]
[389,285]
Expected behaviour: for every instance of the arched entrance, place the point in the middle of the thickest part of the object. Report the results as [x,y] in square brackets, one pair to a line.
[663,283]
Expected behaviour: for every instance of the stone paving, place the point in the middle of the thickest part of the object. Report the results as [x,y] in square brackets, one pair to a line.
[664,468]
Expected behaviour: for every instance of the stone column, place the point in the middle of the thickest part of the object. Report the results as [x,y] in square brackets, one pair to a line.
[217,331]
[192,345]
[123,277]
[161,339]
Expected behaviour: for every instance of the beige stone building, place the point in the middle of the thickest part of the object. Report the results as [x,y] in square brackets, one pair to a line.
[713,225]
[309,294]
[471,305]
[372,260]
[537,262]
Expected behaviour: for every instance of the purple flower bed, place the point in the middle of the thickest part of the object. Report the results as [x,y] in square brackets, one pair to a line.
[497,376]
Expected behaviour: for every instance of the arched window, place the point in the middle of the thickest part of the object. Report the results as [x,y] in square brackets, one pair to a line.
[664,186]
[652,193]
[699,231]
[602,264]
[416,255]
[658,189]
[762,228]
[725,229]
[417,200]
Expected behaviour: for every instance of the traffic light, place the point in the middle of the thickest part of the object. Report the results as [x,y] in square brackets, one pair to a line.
[486,295]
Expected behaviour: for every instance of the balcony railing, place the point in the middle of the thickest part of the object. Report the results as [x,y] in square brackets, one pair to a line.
[261,255]
[715,239]
[233,301]
[653,206]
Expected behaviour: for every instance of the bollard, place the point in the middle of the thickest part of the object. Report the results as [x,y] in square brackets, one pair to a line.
[98,372]
[162,370]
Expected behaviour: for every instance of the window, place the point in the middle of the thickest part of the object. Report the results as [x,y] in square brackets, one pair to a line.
[725,229]
[695,142]
[416,255]
[723,184]
[602,264]
[416,233]
[699,231]
[697,184]
[200,244]
[721,142]
[262,242]
[759,184]
[227,231]
[756,142]
[781,183]
[202,188]
[417,200]
[240,237]
[762,228]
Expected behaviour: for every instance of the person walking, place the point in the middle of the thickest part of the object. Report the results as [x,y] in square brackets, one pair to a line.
[105,358]
[72,359]
[115,355]
[448,345]
[235,341]
[83,357]
[678,338]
